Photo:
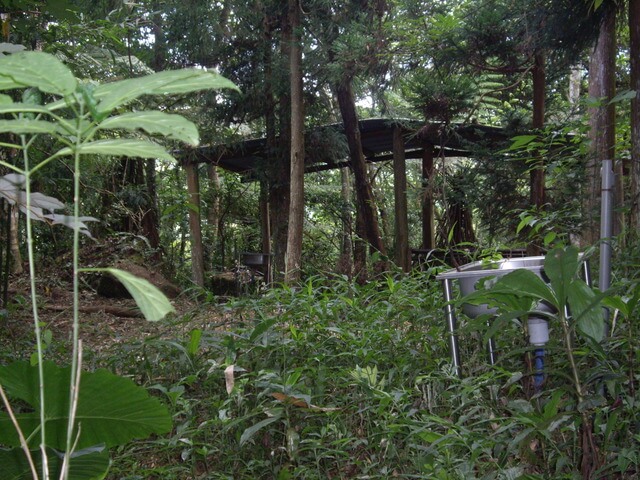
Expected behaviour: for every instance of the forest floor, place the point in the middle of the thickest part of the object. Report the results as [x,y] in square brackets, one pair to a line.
[108,316]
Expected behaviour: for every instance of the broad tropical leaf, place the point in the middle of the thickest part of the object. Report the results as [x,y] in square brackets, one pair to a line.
[171,126]
[526,283]
[520,283]
[11,107]
[121,147]
[586,308]
[36,69]
[561,266]
[27,126]
[112,410]
[92,465]
[153,304]
[112,95]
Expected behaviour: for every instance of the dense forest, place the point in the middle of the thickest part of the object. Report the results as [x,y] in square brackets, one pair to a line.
[296,176]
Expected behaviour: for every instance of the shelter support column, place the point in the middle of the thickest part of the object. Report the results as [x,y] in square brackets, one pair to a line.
[403,257]
[428,221]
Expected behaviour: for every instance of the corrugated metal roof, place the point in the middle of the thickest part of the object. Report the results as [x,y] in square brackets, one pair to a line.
[325,150]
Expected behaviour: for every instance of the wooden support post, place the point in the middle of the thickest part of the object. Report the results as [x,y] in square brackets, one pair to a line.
[403,257]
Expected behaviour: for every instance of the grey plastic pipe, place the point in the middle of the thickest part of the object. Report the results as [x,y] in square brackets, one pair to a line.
[606,231]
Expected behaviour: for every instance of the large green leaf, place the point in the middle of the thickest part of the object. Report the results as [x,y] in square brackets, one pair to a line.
[153,304]
[249,432]
[112,95]
[121,147]
[524,282]
[17,107]
[111,410]
[561,266]
[587,310]
[92,465]
[519,284]
[27,126]
[36,69]
[171,126]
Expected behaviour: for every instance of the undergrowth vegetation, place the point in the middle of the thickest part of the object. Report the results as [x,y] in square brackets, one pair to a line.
[333,380]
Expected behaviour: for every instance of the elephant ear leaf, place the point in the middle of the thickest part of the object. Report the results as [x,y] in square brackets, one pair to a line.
[91,464]
[111,410]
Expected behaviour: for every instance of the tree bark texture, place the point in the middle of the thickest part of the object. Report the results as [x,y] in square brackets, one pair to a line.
[537,196]
[360,251]
[345,262]
[270,126]
[197,254]
[265,229]
[364,193]
[634,54]
[213,212]
[150,217]
[601,121]
[401,230]
[279,168]
[296,198]
[537,172]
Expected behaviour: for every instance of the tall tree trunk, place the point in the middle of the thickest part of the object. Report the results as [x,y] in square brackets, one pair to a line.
[401,230]
[150,217]
[360,251]
[380,205]
[536,175]
[265,230]
[279,174]
[345,262]
[197,254]
[364,194]
[296,199]
[601,121]
[271,142]
[634,55]
[428,216]
[213,212]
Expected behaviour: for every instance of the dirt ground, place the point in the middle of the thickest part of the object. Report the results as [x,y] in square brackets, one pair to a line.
[107,317]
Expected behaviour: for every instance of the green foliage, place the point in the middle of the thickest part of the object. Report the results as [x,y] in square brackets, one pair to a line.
[572,307]
[332,377]
[95,408]
[152,302]
[438,98]
[111,410]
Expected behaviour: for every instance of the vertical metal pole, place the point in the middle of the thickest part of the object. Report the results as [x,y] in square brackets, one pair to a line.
[491,348]
[586,271]
[7,257]
[606,232]
[451,327]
